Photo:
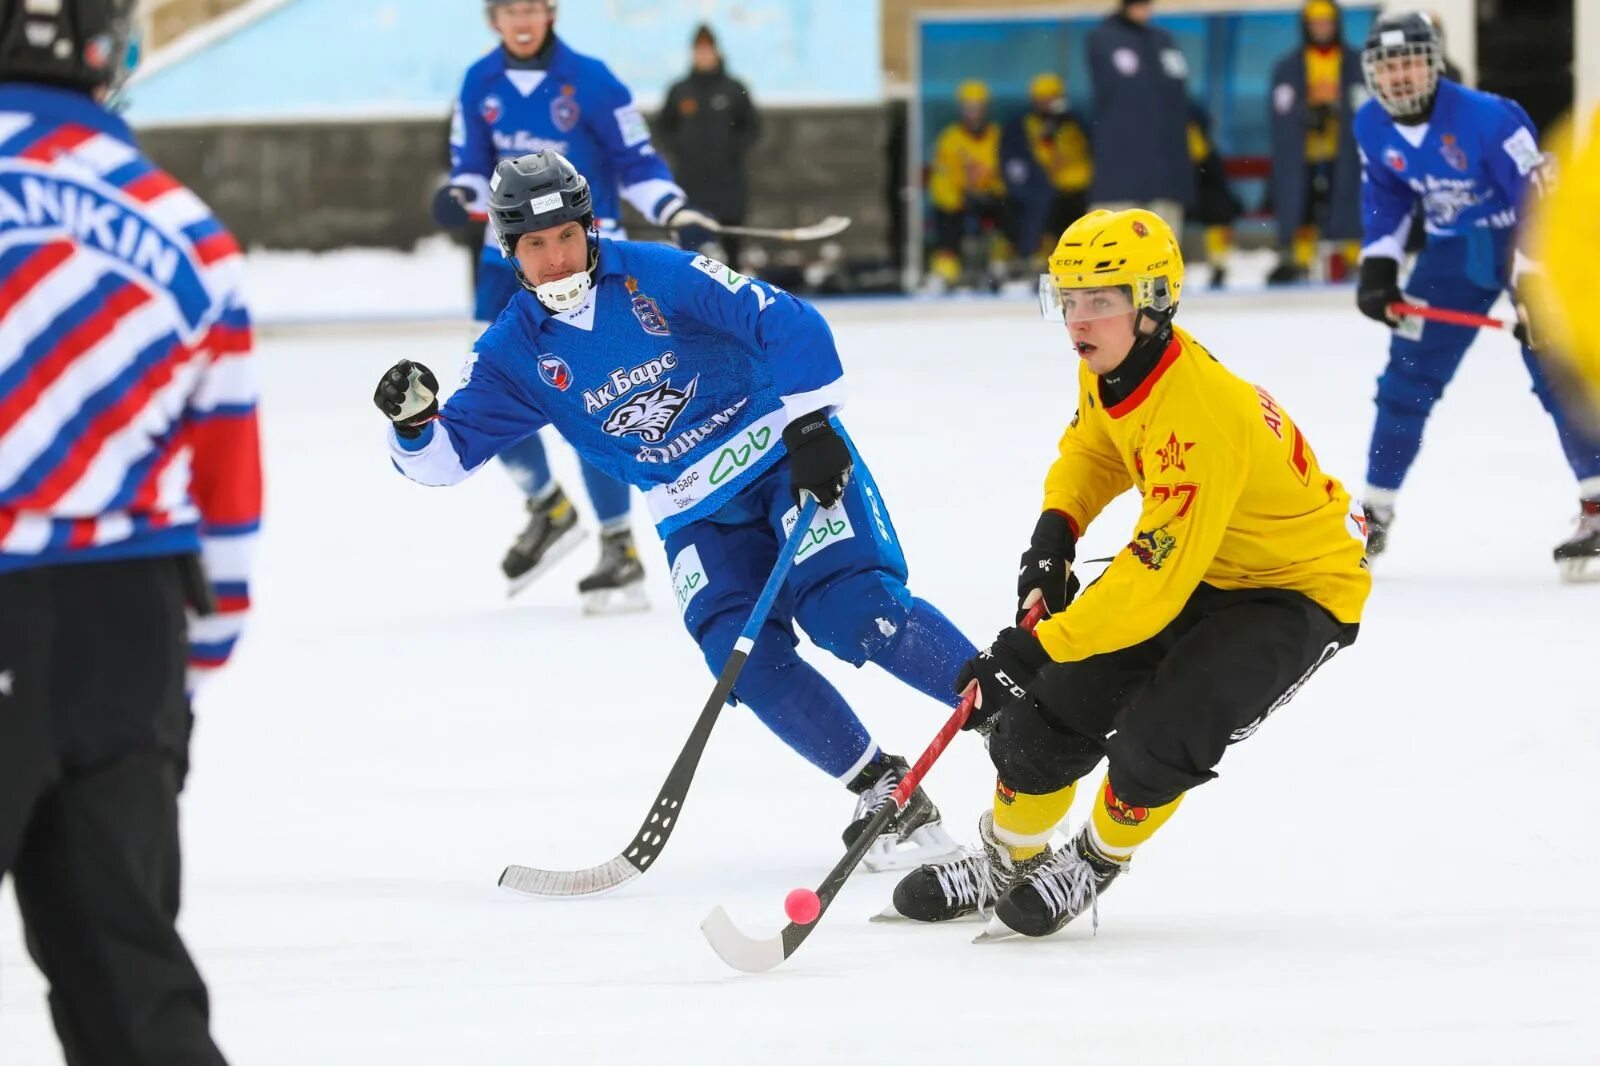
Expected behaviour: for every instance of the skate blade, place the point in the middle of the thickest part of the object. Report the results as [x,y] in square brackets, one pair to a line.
[1580,571]
[625,600]
[559,549]
[995,932]
[890,916]
[926,844]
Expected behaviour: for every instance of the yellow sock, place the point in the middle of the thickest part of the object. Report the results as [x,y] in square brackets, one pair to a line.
[1305,246]
[1219,240]
[1116,829]
[1023,823]
[946,265]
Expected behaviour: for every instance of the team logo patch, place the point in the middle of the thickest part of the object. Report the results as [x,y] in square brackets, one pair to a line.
[97,53]
[1171,453]
[564,110]
[1004,792]
[1452,152]
[555,372]
[1394,159]
[1140,229]
[647,311]
[650,415]
[491,109]
[1152,548]
[1120,812]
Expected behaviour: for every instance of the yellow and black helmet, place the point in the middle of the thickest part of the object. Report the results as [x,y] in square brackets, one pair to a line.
[1133,250]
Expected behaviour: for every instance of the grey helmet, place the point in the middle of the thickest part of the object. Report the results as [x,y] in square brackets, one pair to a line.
[1404,36]
[79,44]
[536,192]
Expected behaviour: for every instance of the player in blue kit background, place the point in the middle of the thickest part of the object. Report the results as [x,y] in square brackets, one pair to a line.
[715,394]
[531,93]
[1470,158]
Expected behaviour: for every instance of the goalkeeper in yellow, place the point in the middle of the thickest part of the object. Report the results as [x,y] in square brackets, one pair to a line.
[1244,574]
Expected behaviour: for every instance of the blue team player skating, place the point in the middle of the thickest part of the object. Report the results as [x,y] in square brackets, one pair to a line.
[531,93]
[714,394]
[1471,159]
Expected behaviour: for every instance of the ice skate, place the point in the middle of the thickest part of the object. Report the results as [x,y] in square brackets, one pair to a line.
[912,837]
[1578,557]
[1055,892]
[552,531]
[1378,519]
[616,584]
[964,886]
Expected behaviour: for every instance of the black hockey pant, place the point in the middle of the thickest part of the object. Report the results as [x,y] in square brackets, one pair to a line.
[1162,712]
[94,729]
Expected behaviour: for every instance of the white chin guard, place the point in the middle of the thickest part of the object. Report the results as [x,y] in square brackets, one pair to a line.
[566,293]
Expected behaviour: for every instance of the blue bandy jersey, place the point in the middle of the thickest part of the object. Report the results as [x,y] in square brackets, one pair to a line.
[575,106]
[677,375]
[1469,165]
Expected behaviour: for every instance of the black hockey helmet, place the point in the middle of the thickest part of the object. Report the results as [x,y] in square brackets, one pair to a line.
[78,44]
[1404,88]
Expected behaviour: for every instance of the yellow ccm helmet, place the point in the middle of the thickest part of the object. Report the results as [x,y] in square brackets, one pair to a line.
[1133,250]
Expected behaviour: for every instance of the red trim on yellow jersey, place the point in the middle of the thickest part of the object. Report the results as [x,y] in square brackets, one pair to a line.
[1136,397]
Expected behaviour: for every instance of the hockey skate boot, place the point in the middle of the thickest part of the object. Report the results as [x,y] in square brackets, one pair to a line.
[965,885]
[1579,555]
[912,837]
[1378,519]
[616,585]
[1054,893]
[552,531]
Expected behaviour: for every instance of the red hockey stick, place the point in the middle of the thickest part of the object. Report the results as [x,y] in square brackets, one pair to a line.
[744,952]
[1449,317]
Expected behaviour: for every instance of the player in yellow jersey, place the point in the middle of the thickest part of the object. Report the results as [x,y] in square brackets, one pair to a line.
[1244,573]
[1566,231]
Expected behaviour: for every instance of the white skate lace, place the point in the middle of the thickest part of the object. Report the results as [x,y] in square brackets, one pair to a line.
[1066,883]
[875,795]
[968,881]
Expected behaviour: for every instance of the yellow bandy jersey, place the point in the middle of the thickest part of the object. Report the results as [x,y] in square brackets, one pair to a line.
[965,164]
[1062,154]
[1233,496]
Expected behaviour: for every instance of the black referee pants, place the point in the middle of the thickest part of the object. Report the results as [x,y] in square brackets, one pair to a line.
[94,733]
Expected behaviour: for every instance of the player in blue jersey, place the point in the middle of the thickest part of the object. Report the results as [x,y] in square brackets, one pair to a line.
[715,394]
[1469,158]
[534,92]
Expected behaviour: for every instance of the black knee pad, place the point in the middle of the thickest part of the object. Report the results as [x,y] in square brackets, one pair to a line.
[1141,778]
[1037,756]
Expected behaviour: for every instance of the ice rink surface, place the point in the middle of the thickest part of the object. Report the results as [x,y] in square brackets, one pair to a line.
[1402,866]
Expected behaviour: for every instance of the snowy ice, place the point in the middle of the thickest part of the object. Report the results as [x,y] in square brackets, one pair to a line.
[1401,866]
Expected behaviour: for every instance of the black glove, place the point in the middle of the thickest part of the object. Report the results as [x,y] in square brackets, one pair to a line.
[691,227]
[451,206]
[1378,288]
[1003,670]
[819,459]
[1526,332]
[408,396]
[1047,566]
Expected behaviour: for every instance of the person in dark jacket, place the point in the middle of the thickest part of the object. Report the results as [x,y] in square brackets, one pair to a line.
[1044,159]
[1140,122]
[1316,173]
[708,125]
[1216,206]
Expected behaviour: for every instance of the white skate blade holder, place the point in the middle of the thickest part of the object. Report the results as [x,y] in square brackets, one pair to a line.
[926,844]
[628,599]
[995,932]
[1579,571]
